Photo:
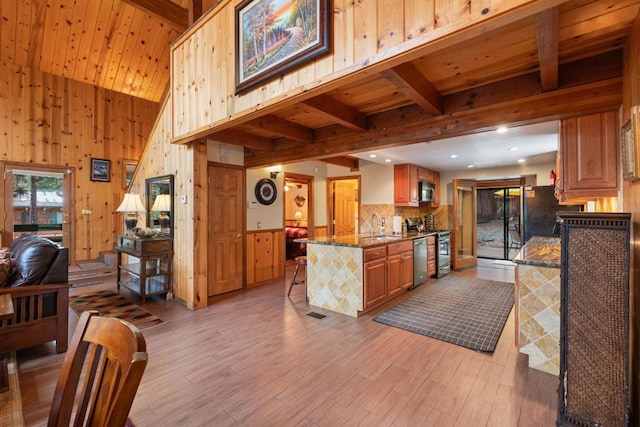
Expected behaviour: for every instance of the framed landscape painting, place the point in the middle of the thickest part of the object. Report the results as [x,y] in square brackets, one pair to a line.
[100,170]
[274,36]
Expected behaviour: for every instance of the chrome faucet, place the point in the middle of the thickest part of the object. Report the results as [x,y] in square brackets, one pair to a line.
[371,232]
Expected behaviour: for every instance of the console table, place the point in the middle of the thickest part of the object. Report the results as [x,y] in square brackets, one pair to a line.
[152,274]
[6,313]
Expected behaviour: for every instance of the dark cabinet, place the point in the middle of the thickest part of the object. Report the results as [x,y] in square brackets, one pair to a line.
[594,319]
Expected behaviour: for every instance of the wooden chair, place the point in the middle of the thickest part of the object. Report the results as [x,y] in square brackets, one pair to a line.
[101,393]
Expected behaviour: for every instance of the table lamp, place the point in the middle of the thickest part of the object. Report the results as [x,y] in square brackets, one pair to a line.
[162,204]
[298,217]
[131,205]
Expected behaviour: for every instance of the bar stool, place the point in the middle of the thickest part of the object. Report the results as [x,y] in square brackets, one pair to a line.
[300,260]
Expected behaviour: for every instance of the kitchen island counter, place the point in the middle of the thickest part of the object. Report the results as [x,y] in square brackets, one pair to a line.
[364,240]
[353,274]
[537,304]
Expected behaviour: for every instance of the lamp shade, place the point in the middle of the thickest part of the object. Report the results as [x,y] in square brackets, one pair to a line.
[131,203]
[297,215]
[162,203]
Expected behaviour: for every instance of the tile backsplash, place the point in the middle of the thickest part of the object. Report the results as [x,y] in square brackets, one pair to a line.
[443,215]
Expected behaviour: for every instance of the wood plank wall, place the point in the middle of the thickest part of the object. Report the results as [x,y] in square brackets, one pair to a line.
[188,165]
[366,34]
[50,120]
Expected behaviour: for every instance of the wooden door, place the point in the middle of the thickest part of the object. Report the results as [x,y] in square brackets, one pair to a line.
[226,228]
[344,193]
[394,274]
[463,239]
[375,282]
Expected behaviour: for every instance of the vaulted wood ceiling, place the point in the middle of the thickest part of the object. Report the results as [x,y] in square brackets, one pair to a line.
[124,46]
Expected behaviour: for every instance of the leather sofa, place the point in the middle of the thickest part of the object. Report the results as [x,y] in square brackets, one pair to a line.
[39,288]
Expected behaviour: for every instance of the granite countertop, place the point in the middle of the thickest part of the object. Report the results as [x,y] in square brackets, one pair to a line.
[541,251]
[363,240]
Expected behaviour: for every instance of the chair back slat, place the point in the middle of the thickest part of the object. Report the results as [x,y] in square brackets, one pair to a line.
[109,356]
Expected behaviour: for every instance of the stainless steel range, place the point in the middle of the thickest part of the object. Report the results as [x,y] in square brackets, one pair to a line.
[443,242]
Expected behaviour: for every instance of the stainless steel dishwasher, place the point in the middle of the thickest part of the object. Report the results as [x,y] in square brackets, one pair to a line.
[419,261]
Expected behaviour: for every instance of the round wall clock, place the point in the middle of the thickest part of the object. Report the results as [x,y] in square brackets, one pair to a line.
[266,191]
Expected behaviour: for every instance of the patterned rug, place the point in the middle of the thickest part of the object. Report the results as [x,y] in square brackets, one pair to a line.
[111,304]
[461,310]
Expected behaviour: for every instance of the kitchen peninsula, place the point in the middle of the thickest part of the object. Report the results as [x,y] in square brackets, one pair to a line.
[353,274]
[537,303]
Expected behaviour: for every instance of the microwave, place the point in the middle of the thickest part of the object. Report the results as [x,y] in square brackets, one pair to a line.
[426,192]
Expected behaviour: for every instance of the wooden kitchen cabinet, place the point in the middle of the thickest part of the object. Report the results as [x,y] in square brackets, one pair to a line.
[375,276]
[388,271]
[400,264]
[588,157]
[425,175]
[431,256]
[405,185]
[436,193]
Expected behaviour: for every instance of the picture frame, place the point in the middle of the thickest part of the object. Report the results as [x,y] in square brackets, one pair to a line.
[298,31]
[128,169]
[629,153]
[100,170]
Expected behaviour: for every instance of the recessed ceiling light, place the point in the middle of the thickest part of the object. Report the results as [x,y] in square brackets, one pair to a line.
[520,160]
[502,129]
[372,156]
[513,149]
[470,166]
[387,160]
[453,156]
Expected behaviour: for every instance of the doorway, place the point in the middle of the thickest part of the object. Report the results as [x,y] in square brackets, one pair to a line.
[464,248]
[38,201]
[344,205]
[498,220]
[298,213]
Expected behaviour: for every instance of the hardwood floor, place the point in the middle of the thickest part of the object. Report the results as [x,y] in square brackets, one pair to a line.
[258,359]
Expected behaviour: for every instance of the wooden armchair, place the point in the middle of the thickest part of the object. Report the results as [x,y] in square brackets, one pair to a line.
[41,315]
[101,393]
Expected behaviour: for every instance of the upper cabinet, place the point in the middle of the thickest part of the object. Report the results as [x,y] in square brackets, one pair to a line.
[588,157]
[406,185]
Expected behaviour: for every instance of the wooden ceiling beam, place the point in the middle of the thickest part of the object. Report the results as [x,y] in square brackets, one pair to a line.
[413,83]
[165,9]
[194,11]
[412,124]
[547,36]
[353,163]
[339,112]
[283,127]
[243,139]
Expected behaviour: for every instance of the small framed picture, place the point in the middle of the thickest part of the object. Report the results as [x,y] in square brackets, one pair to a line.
[129,169]
[100,170]
[629,154]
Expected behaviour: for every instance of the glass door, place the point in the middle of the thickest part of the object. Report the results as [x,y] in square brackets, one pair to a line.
[498,219]
[38,202]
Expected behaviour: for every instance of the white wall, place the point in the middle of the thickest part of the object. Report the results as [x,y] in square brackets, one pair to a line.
[376,183]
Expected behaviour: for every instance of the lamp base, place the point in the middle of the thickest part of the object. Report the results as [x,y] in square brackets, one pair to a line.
[163,220]
[130,221]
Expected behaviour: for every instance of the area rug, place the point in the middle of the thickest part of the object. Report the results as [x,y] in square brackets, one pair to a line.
[461,310]
[111,304]
[90,265]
